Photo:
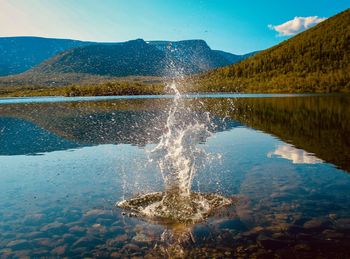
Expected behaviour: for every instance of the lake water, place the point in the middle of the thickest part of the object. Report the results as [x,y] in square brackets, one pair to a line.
[64,163]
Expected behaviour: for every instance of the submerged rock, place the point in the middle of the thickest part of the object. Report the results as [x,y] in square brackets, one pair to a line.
[142,238]
[44,242]
[35,234]
[40,253]
[117,241]
[116,255]
[270,243]
[23,253]
[315,224]
[281,216]
[121,238]
[34,219]
[302,247]
[18,244]
[77,230]
[87,242]
[53,227]
[68,237]
[60,250]
[95,214]
[131,248]
[332,234]
[343,224]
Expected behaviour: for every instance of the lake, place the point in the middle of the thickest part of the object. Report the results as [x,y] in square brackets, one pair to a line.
[284,159]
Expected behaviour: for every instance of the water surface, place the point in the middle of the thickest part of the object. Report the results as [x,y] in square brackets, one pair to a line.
[64,164]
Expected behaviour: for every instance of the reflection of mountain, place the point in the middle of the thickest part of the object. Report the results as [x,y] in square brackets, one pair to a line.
[125,127]
[62,125]
[317,124]
[19,137]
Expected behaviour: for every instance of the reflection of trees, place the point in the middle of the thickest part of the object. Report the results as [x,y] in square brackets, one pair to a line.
[136,122]
[319,124]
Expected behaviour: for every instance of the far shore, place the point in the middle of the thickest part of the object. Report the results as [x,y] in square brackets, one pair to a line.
[121,89]
[50,98]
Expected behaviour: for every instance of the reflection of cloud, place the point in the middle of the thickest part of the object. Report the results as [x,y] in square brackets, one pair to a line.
[298,156]
[298,24]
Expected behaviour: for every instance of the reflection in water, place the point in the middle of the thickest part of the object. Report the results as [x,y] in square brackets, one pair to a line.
[19,137]
[317,124]
[297,156]
[61,204]
[86,124]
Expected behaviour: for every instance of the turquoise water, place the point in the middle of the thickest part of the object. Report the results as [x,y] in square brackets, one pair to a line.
[64,165]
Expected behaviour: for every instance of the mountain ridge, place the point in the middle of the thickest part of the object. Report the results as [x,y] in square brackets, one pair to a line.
[23,54]
[18,54]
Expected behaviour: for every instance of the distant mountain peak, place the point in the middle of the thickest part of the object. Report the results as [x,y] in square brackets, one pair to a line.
[135,41]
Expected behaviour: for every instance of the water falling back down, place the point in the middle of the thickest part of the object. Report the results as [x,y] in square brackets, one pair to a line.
[178,156]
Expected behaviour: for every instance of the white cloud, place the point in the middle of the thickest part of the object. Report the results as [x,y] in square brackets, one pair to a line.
[297,156]
[298,24]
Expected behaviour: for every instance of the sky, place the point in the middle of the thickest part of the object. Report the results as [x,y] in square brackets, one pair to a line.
[235,26]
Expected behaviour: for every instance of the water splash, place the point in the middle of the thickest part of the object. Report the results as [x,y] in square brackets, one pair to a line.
[178,157]
[178,154]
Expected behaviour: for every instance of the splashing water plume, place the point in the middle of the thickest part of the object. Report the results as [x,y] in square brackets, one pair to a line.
[177,151]
[178,157]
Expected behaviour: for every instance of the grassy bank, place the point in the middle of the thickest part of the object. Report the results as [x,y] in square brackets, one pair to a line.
[104,89]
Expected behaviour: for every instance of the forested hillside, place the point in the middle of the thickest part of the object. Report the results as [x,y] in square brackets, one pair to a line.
[317,60]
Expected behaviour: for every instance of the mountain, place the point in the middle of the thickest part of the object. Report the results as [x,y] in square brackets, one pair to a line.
[197,54]
[48,57]
[317,60]
[62,62]
[18,54]
[134,57]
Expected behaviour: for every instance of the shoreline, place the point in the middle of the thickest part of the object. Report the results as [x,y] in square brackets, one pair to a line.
[52,99]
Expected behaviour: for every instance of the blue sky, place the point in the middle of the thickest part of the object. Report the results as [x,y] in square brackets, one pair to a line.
[230,25]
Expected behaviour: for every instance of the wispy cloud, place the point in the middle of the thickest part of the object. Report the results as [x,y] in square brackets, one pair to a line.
[298,24]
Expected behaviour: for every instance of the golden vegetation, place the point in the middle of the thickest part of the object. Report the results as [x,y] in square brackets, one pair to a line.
[102,89]
[316,60]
